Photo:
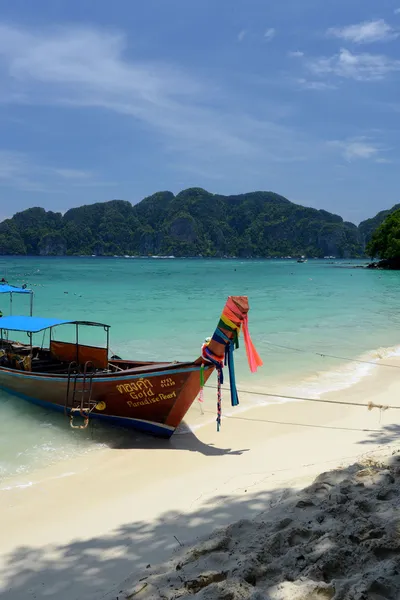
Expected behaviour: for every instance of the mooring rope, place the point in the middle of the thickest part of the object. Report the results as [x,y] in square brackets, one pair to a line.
[369,405]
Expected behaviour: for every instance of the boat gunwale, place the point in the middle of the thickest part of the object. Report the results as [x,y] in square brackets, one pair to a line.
[116,375]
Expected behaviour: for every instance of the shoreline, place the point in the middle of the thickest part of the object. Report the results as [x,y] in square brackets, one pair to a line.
[293,258]
[281,390]
[116,510]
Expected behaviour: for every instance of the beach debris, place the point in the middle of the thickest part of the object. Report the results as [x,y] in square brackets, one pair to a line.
[382,407]
[214,544]
[136,592]
[180,543]
[204,580]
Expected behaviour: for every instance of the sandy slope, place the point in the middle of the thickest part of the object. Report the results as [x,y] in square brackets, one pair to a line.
[83,527]
[337,539]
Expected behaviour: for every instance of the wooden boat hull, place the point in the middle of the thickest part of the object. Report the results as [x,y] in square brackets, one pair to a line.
[80,379]
[154,401]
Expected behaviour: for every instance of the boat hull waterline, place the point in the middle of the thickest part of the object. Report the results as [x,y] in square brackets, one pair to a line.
[154,402]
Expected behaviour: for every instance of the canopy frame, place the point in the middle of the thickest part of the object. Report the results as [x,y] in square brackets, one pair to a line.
[50,326]
[5,288]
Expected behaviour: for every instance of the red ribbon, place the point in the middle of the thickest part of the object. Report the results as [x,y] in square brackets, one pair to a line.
[252,354]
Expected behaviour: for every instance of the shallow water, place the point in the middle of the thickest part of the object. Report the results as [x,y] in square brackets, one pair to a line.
[163,310]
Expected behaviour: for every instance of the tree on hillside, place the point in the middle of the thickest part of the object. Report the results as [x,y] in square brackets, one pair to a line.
[385,242]
[369,226]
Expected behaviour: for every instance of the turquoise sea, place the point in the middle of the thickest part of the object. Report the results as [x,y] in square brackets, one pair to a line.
[162,309]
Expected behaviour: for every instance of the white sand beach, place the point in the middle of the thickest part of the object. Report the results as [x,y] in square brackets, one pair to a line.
[116,523]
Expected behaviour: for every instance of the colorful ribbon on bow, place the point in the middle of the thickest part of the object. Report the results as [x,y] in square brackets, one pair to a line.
[225,340]
[231,368]
[201,394]
[233,313]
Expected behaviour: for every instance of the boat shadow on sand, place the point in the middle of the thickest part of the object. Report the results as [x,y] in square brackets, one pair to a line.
[185,441]
[184,438]
[55,430]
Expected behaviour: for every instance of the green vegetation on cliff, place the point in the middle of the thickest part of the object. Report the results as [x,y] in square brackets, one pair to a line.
[192,223]
[367,228]
[385,241]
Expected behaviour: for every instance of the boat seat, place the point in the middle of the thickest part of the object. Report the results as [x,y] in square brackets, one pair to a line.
[44,366]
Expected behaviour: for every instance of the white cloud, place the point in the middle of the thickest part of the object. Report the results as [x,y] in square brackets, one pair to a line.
[360,148]
[90,68]
[295,54]
[74,174]
[361,67]
[365,32]
[20,171]
[16,171]
[307,84]
[269,34]
[10,163]
[396,11]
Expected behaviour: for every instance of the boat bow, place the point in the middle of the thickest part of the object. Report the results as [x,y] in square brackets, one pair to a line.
[218,350]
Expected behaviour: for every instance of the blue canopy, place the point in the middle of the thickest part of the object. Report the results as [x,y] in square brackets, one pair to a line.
[11,289]
[35,324]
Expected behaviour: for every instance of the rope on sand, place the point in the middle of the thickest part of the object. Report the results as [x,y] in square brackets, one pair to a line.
[381,407]
[369,405]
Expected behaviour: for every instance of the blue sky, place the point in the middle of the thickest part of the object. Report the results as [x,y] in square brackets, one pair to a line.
[103,100]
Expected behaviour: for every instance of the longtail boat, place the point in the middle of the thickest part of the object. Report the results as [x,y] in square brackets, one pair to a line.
[84,382]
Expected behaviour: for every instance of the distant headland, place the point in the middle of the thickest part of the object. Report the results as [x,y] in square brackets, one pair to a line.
[192,223]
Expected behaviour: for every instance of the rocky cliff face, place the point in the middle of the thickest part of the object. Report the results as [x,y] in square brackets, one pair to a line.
[52,244]
[339,241]
[183,229]
[151,243]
